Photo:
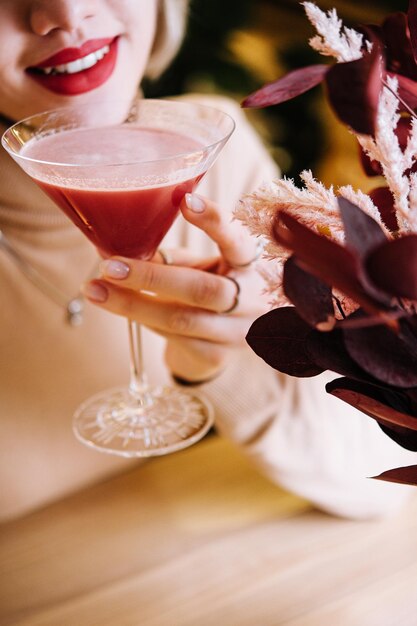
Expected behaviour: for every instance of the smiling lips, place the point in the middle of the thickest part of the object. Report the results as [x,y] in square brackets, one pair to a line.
[73,71]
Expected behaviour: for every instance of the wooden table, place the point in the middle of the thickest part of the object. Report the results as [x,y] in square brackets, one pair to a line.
[199,538]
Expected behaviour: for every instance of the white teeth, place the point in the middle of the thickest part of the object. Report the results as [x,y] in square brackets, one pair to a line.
[79,64]
[74,67]
[89,60]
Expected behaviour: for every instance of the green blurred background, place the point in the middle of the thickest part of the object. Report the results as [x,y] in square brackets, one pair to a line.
[235,46]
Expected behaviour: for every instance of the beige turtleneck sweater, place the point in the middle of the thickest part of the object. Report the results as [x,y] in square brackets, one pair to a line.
[300,437]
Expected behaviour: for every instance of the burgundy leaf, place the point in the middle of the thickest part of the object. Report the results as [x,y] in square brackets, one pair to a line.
[412,395]
[328,351]
[393,266]
[403,131]
[335,265]
[404,475]
[354,89]
[279,338]
[362,232]
[399,52]
[384,201]
[371,31]
[407,91]
[408,332]
[383,354]
[404,437]
[312,298]
[412,25]
[393,409]
[291,85]
[382,404]
[394,314]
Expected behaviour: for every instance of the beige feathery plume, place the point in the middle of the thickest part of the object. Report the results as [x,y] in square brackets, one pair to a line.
[314,205]
[364,202]
[385,148]
[333,39]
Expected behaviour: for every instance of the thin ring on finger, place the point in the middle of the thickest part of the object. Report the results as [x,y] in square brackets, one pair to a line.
[259,249]
[236,299]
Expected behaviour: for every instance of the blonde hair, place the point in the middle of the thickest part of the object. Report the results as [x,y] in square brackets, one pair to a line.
[170,29]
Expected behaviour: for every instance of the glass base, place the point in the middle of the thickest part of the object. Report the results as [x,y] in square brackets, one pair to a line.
[111,422]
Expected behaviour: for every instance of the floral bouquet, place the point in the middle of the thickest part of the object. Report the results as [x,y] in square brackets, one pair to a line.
[344,276]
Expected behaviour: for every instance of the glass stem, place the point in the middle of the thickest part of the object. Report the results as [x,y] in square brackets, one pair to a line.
[138,385]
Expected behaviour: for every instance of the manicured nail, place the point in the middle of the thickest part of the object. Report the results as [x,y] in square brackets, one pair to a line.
[115,269]
[195,203]
[95,291]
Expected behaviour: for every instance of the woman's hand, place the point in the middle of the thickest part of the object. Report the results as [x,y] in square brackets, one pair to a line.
[201,312]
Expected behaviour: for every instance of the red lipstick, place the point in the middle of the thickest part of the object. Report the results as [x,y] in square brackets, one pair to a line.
[80,81]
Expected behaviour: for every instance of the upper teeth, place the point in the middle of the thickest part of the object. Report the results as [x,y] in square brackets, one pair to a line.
[79,65]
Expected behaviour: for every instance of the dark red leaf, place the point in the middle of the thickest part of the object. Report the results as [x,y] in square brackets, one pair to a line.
[291,85]
[404,475]
[328,351]
[393,266]
[412,395]
[394,314]
[371,31]
[279,338]
[404,437]
[354,89]
[408,331]
[383,354]
[335,265]
[312,298]
[384,202]
[393,409]
[403,131]
[412,25]
[407,90]
[362,232]
[399,52]
[384,405]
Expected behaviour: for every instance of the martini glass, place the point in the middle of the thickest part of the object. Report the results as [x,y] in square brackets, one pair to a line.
[119,171]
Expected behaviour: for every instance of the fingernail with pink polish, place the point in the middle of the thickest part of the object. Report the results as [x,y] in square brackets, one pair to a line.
[115,269]
[95,292]
[195,203]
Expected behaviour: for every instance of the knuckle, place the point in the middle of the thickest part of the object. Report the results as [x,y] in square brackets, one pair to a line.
[180,321]
[206,291]
[150,277]
[214,216]
[128,304]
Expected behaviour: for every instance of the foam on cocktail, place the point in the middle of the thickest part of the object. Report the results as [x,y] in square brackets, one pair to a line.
[120,185]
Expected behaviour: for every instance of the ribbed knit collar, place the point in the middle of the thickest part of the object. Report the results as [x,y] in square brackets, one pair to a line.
[27,216]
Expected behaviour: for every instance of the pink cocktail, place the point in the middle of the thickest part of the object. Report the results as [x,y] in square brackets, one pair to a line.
[119,172]
[117,215]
